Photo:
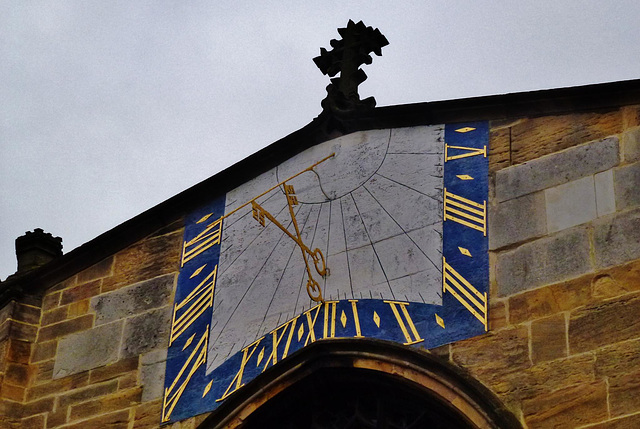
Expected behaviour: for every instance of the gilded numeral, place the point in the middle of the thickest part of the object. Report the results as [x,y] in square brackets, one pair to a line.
[196,359]
[273,357]
[411,335]
[465,292]
[356,318]
[236,383]
[463,152]
[311,322]
[465,212]
[189,309]
[330,308]
[210,236]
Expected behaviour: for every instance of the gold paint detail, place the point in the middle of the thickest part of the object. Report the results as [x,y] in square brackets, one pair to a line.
[173,393]
[260,356]
[439,321]
[276,339]
[200,298]
[376,319]
[411,335]
[329,328]
[356,317]
[464,129]
[343,319]
[465,212]
[311,322]
[209,237]
[300,332]
[465,293]
[236,383]
[188,342]
[198,271]
[464,177]
[207,389]
[467,152]
[292,323]
[464,251]
[204,218]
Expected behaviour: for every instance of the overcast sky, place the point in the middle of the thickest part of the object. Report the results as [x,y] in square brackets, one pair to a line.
[108,108]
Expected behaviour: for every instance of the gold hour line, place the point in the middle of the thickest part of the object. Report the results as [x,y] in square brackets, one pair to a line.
[474,215]
[170,397]
[276,342]
[327,305]
[291,330]
[403,305]
[209,237]
[452,280]
[200,299]
[356,319]
[237,380]
[311,323]
[471,151]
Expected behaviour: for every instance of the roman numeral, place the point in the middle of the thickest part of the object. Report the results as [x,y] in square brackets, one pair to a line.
[196,359]
[465,212]
[193,306]
[210,236]
[273,357]
[463,152]
[411,335]
[236,383]
[469,296]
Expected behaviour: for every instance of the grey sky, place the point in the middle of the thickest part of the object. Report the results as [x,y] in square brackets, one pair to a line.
[108,108]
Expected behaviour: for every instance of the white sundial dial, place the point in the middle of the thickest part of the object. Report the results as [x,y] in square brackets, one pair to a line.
[370,202]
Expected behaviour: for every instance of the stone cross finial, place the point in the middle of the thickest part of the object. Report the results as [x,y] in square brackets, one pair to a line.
[358,42]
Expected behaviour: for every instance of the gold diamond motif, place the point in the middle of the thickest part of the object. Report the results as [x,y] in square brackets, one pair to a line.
[376,319]
[206,389]
[465,129]
[300,332]
[343,319]
[464,251]
[188,343]
[260,356]
[205,217]
[198,271]
[439,321]
[464,177]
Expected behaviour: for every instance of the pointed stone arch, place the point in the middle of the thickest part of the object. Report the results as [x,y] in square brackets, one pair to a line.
[362,384]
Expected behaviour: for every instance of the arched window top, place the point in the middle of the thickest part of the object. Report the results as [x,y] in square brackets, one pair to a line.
[349,384]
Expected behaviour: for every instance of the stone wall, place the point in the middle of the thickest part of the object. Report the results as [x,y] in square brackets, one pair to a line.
[564,344]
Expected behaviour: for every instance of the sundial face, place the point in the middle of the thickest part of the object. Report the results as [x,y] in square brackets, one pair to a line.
[344,240]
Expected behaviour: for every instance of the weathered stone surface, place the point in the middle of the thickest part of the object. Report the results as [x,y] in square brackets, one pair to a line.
[54,316]
[146,332]
[116,420]
[618,280]
[624,394]
[152,374]
[630,142]
[499,149]
[604,323]
[517,220]
[114,370]
[497,314]
[18,351]
[144,260]
[65,328]
[552,170]
[620,358]
[89,349]
[535,137]
[626,422]
[118,401]
[568,407]
[78,293]
[57,386]
[146,415]
[570,204]
[87,393]
[605,194]
[617,239]
[546,260]
[96,271]
[51,301]
[133,299]
[548,338]
[627,186]
[26,313]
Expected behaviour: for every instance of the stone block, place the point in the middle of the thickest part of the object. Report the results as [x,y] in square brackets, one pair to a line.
[26,313]
[517,220]
[96,271]
[548,338]
[152,374]
[499,149]
[626,422]
[556,169]
[18,351]
[51,301]
[117,401]
[44,351]
[89,349]
[78,293]
[620,358]
[569,407]
[65,328]
[497,314]
[87,393]
[605,194]
[604,323]
[146,415]
[144,260]
[34,422]
[56,386]
[544,261]
[630,141]
[56,315]
[624,394]
[114,370]
[570,204]
[116,420]
[134,299]
[146,332]
[617,239]
[627,186]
